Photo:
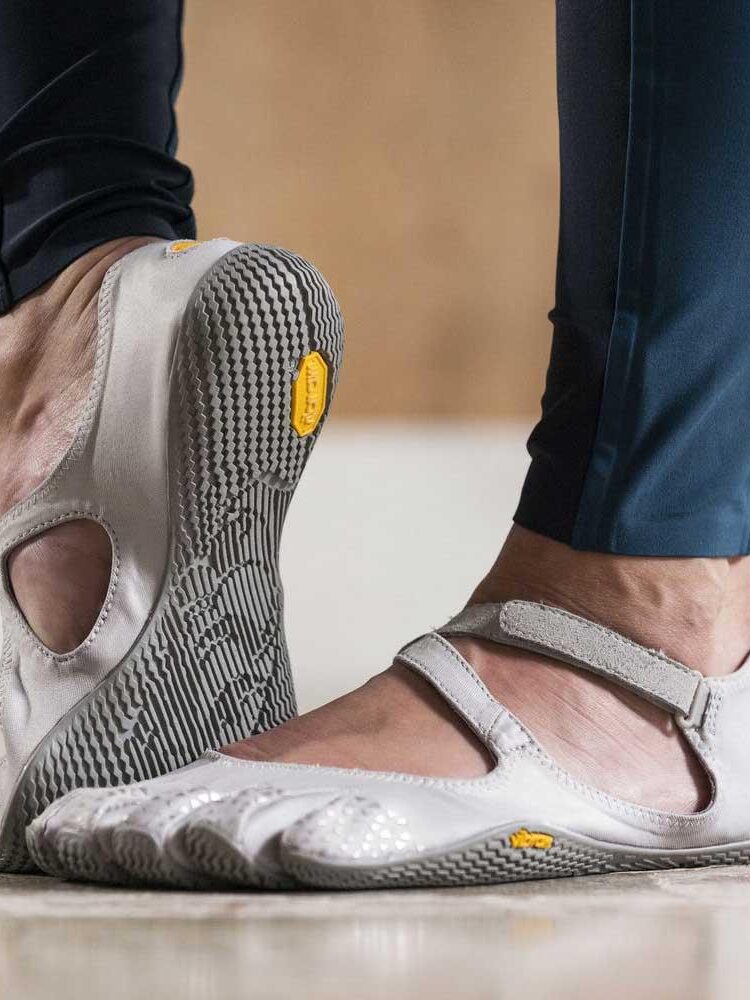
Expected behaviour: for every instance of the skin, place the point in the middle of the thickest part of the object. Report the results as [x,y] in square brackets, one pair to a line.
[696,610]
[47,347]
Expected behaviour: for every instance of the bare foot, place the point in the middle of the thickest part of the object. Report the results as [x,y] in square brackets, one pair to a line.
[697,610]
[47,346]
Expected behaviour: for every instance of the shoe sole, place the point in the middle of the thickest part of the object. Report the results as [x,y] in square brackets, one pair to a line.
[211,666]
[494,860]
[145,861]
[75,852]
[212,854]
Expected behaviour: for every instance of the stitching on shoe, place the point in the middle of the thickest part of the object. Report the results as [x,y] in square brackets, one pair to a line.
[714,702]
[525,737]
[502,712]
[485,784]
[451,701]
[622,806]
[466,668]
[612,636]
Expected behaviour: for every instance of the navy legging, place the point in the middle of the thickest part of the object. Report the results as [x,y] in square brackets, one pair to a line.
[644,442]
[644,445]
[87,132]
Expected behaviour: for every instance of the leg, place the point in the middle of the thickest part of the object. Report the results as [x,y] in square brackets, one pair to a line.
[643,387]
[628,457]
[87,134]
[159,399]
[633,516]
[74,200]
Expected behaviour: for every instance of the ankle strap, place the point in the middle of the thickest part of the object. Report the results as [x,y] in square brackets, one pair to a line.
[581,643]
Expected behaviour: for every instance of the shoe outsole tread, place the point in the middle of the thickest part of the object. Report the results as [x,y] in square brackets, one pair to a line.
[212,665]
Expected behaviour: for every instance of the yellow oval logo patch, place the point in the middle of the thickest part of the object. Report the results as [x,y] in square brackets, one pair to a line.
[179,245]
[309,393]
[529,838]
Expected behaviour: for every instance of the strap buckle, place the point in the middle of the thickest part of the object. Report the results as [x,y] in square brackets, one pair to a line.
[694,718]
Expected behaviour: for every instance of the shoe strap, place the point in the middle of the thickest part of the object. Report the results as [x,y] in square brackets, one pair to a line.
[584,644]
[445,669]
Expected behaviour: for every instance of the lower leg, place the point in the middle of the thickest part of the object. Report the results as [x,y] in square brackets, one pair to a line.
[47,349]
[76,187]
[697,610]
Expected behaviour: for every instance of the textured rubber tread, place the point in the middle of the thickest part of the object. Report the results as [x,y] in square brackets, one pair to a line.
[142,860]
[212,665]
[77,855]
[211,854]
[75,850]
[492,860]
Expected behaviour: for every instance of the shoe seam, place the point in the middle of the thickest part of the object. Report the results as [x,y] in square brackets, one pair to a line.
[615,805]
[487,781]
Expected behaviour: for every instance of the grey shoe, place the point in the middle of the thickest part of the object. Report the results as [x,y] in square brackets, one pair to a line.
[215,368]
[275,825]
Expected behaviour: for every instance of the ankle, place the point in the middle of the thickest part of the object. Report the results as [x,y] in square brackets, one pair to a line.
[695,610]
[47,347]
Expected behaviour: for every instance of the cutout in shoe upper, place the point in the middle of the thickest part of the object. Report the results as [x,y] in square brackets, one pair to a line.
[60,579]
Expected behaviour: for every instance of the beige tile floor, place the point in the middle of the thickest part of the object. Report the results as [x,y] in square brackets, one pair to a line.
[391,528]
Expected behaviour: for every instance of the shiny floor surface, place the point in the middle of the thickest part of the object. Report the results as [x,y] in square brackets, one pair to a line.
[665,935]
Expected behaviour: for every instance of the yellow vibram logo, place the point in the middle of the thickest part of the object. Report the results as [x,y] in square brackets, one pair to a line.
[181,245]
[309,394]
[526,838]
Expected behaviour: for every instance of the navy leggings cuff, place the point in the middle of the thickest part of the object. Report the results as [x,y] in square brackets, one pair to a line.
[64,248]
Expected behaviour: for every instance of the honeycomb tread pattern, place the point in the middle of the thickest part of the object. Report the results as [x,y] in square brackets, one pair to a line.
[212,665]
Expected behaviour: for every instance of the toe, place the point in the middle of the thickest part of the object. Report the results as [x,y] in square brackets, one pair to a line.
[237,840]
[146,843]
[330,846]
[66,840]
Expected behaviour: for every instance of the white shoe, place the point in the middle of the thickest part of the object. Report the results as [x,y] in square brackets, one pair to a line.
[242,823]
[215,367]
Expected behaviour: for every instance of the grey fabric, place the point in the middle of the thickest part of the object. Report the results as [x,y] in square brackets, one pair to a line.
[567,637]
[444,667]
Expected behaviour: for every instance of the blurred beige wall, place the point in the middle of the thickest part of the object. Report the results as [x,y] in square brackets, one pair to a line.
[408,147]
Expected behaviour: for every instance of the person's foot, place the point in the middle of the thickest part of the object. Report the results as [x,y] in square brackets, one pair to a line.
[216,365]
[47,346]
[696,610]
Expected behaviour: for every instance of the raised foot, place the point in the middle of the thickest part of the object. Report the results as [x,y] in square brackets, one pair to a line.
[216,367]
